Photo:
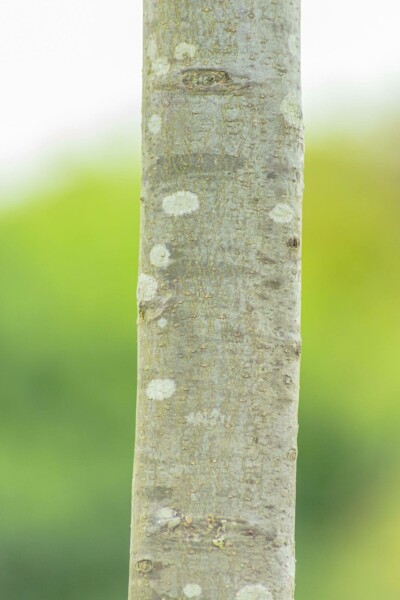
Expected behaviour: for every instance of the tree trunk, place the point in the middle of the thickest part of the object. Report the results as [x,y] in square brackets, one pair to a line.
[219,302]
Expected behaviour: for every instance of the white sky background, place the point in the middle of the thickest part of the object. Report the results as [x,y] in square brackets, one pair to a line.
[70,69]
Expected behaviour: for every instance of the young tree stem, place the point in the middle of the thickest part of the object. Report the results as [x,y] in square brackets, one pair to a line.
[219,302]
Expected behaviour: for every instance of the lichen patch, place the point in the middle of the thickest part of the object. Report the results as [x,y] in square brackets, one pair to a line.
[180,203]
[281,213]
[184,51]
[160,256]
[147,288]
[192,590]
[160,66]
[168,517]
[161,389]
[290,109]
[254,592]
[154,124]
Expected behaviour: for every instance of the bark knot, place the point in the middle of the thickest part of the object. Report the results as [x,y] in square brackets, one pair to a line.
[204,78]
[144,566]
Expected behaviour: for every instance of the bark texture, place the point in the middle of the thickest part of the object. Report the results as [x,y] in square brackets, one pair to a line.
[219,302]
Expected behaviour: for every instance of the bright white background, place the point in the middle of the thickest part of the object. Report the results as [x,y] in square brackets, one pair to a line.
[70,69]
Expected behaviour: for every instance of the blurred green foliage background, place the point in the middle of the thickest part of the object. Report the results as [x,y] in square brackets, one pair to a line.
[68,268]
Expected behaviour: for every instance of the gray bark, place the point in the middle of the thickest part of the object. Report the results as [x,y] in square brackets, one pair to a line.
[219,302]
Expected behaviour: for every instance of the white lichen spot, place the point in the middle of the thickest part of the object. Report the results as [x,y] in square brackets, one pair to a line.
[192,590]
[168,517]
[160,256]
[254,592]
[282,213]
[154,124]
[160,389]
[184,51]
[180,203]
[152,49]
[162,323]
[147,288]
[160,66]
[290,108]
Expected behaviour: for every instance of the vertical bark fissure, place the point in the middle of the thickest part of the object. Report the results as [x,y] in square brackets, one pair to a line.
[219,302]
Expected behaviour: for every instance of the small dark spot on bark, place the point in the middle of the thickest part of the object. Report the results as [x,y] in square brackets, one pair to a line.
[274,284]
[250,481]
[250,533]
[266,259]
[293,348]
[270,536]
[272,175]
[293,242]
[297,348]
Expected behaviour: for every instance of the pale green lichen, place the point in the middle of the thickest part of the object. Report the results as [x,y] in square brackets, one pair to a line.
[161,389]
[184,51]
[192,590]
[160,66]
[147,288]
[290,108]
[180,203]
[154,124]
[168,517]
[282,213]
[160,256]
[254,592]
